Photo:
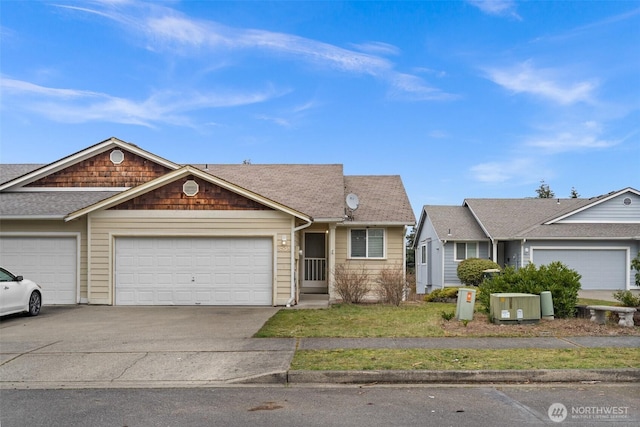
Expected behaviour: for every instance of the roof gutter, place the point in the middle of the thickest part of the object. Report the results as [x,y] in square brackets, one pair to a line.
[294,230]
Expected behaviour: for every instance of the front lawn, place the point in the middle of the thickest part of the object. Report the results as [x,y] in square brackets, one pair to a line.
[417,320]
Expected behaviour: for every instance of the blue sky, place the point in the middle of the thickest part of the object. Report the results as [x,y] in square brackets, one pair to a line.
[462,99]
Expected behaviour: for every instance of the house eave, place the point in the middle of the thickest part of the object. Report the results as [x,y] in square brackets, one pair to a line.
[32,217]
[375,224]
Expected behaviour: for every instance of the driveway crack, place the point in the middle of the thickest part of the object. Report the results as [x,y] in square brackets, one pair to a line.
[30,351]
[131,365]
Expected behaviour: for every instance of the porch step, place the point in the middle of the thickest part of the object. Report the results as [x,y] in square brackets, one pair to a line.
[313,301]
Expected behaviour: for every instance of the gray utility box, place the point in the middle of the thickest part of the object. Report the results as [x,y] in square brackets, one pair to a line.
[466,304]
[514,308]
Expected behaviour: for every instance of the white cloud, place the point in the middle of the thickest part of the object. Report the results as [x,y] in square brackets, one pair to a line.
[524,78]
[165,28]
[516,168]
[497,7]
[78,106]
[377,48]
[582,138]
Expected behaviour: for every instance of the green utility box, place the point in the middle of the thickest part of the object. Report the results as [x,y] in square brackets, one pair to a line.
[466,303]
[514,308]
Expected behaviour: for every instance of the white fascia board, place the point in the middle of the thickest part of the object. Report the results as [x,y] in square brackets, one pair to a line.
[597,202]
[83,155]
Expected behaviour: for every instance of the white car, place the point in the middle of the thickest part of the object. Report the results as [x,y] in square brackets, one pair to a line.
[18,295]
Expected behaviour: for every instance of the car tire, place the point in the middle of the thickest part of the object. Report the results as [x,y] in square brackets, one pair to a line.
[35,303]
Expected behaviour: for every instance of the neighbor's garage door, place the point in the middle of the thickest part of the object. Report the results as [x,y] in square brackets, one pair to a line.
[49,261]
[599,268]
[193,271]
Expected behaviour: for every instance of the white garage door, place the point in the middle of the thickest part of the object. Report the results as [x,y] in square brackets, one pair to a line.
[601,269]
[49,261]
[193,271]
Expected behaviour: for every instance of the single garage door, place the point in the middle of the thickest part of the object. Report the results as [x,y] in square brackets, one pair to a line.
[193,271]
[601,269]
[49,261]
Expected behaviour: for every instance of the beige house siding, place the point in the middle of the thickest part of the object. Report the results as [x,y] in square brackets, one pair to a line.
[105,226]
[395,248]
[54,228]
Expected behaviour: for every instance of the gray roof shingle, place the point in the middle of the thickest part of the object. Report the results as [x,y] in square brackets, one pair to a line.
[48,203]
[454,223]
[382,199]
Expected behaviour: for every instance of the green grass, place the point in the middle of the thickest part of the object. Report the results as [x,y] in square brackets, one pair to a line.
[587,301]
[466,359]
[358,321]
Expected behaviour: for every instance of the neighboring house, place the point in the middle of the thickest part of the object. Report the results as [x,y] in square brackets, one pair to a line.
[597,237]
[115,224]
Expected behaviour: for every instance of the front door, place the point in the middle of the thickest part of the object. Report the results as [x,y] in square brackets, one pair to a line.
[315,264]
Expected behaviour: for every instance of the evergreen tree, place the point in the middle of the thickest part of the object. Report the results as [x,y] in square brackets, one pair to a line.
[544,192]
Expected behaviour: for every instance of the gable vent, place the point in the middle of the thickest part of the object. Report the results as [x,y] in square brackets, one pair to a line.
[190,188]
[116,157]
[627,201]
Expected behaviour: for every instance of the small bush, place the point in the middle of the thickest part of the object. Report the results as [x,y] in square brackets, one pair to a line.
[447,315]
[635,264]
[352,284]
[627,298]
[470,271]
[561,281]
[442,295]
[392,287]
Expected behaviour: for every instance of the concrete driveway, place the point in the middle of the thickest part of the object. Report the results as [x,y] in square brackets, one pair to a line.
[99,346]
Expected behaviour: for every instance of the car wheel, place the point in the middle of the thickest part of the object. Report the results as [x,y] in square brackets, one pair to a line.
[35,302]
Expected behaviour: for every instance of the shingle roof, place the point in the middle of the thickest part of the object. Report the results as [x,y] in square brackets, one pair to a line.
[587,231]
[48,203]
[382,198]
[508,218]
[454,223]
[9,172]
[316,190]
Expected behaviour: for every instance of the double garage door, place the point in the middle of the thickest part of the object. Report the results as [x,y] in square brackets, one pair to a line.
[601,269]
[193,271]
[49,261]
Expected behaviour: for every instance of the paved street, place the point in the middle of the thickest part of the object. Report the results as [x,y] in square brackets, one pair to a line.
[486,406]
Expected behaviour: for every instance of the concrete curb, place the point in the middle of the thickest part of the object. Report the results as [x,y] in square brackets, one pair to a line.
[447,377]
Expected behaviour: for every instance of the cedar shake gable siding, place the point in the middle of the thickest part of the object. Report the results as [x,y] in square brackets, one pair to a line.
[99,171]
[172,197]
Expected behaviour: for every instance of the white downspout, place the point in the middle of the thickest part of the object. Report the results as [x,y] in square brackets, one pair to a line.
[294,230]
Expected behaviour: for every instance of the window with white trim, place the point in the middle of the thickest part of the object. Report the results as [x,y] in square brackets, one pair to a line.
[423,254]
[464,250]
[367,243]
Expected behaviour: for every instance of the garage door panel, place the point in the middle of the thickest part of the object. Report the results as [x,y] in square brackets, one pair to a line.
[187,271]
[601,269]
[49,261]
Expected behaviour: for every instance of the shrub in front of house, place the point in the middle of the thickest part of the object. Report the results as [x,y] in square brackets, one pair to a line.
[442,295]
[627,298]
[471,270]
[392,286]
[557,278]
[351,283]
